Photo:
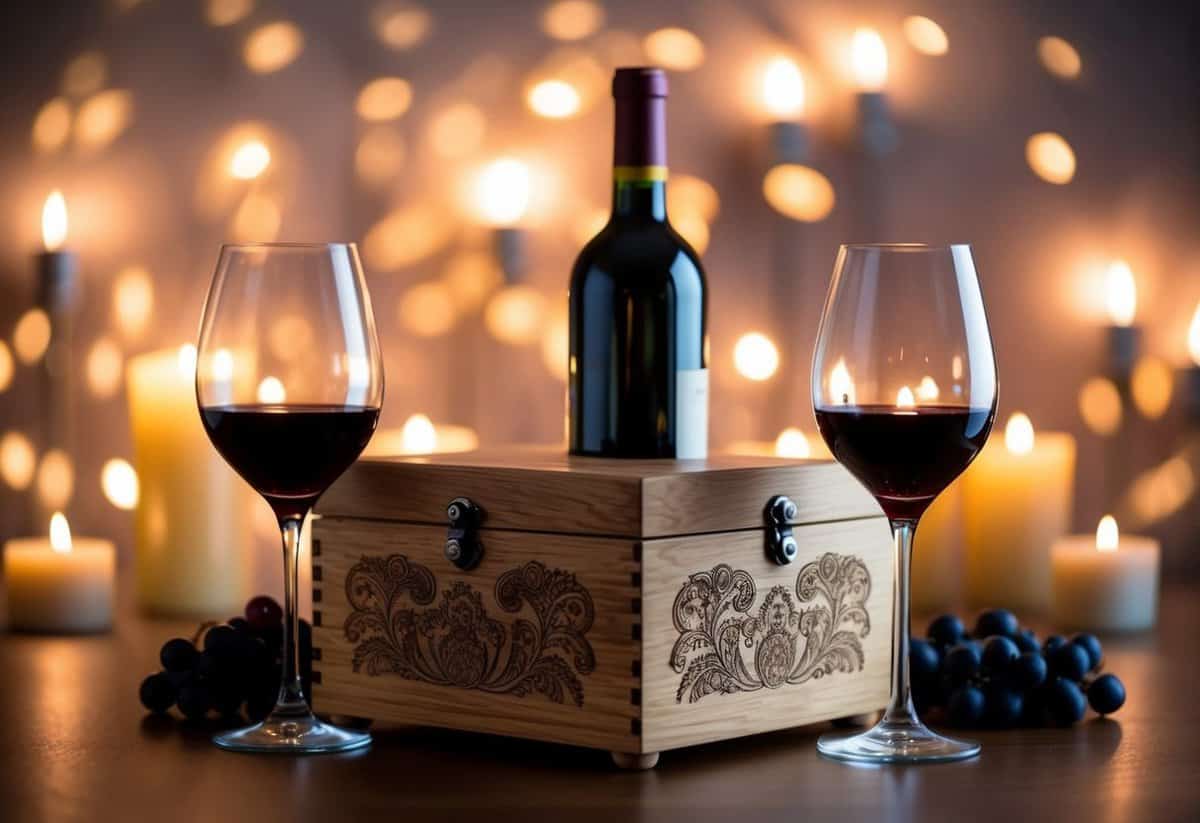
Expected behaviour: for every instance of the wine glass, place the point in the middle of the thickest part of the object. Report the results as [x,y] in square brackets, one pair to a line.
[289,381]
[904,389]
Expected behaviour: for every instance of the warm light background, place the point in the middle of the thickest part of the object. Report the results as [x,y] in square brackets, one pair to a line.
[141,107]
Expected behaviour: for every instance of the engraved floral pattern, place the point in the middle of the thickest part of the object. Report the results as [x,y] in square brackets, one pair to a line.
[455,642]
[724,648]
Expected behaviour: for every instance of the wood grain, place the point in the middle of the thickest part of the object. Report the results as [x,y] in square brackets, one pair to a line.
[604,567]
[548,491]
[668,723]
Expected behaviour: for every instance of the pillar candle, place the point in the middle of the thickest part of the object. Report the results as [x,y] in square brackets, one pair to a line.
[1105,583]
[937,562]
[193,540]
[1016,503]
[59,585]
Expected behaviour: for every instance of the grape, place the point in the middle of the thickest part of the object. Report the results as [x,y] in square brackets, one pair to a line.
[965,708]
[157,693]
[1069,661]
[207,665]
[239,624]
[996,621]
[263,612]
[998,653]
[1029,671]
[1065,702]
[961,663]
[923,660]
[1090,644]
[946,630]
[1052,643]
[177,655]
[1002,706]
[195,699]
[1106,694]
[221,642]
[1027,641]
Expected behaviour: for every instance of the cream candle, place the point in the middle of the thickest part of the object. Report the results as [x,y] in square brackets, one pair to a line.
[59,585]
[1106,583]
[193,540]
[1016,503]
[937,563]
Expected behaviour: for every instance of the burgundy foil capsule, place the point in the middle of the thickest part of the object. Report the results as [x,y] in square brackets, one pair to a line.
[640,135]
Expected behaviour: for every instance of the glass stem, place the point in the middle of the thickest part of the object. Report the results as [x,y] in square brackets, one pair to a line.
[290,702]
[900,706]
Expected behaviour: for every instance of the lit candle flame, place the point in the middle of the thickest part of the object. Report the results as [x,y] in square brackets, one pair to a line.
[1193,338]
[1120,295]
[60,533]
[418,436]
[187,360]
[927,389]
[1107,534]
[905,398]
[792,443]
[222,365]
[841,384]
[271,391]
[502,192]
[54,221]
[250,160]
[783,88]
[869,59]
[1018,434]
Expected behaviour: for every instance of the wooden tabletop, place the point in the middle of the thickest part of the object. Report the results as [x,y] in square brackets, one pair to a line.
[75,745]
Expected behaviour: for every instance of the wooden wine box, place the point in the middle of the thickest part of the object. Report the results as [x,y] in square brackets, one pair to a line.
[631,606]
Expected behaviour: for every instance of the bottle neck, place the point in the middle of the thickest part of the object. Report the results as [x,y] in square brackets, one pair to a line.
[640,157]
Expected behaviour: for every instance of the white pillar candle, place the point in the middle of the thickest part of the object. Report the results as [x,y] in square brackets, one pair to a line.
[1017,502]
[59,585]
[193,539]
[1108,582]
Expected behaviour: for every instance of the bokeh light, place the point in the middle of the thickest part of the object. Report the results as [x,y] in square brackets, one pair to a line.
[868,60]
[553,99]
[401,25]
[675,49]
[31,336]
[1193,337]
[272,46]
[514,315]
[103,368]
[1018,433]
[755,357]
[250,160]
[588,223]
[257,219]
[841,384]
[133,301]
[227,12]
[52,126]
[271,391]
[1059,57]
[384,98]
[501,192]
[1151,385]
[926,36]
[17,460]
[1120,293]
[418,435]
[405,236]
[783,88]
[55,479]
[428,309]
[102,118]
[572,19]
[1163,490]
[54,221]
[688,192]
[457,130]
[471,275]
[1100,406]
[927,389]
[1051,157]
[289,336]
[119,482]
[6,367]
[380,155]
[793,443]
[693,227]
[86,74]
[556,342]
[799,192]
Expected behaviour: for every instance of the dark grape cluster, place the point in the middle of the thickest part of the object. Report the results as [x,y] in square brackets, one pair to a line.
[1000,676]
[227,668]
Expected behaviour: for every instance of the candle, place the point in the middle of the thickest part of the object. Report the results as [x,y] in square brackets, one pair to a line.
[783,99]
[1192,375]
[937,564]
[419,435]
[1105,583]
[1017,502]
[193,545]
[1124,338]
[876,135]
[59,585]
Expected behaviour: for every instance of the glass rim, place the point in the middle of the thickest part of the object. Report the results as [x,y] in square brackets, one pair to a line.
[282,244]
[904,247]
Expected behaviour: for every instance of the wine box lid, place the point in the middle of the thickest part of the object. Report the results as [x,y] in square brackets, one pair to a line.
[542,489]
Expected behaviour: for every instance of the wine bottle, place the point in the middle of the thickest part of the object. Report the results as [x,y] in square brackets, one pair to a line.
[638,385]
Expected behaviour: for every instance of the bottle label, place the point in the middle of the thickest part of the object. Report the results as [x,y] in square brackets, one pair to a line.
[691,414]
[639,174]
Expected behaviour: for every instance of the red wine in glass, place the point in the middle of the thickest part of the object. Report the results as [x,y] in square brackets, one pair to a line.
[290,454]
[905,457]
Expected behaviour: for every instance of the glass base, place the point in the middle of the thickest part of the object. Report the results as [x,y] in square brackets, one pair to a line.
[293,735]
[892,742]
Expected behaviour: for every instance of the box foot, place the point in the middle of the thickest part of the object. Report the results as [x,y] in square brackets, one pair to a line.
[634,761]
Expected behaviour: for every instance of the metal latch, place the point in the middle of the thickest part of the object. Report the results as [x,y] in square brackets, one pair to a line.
[781,545]
[463,546]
